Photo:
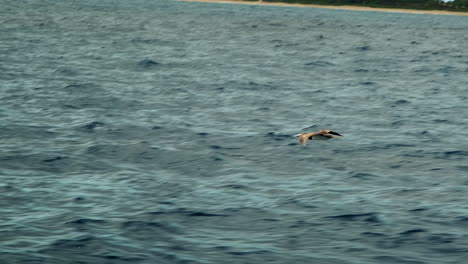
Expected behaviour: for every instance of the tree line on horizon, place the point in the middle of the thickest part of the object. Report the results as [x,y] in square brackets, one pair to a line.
[459,5]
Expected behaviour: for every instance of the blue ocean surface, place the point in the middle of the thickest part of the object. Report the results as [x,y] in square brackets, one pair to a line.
[163,132]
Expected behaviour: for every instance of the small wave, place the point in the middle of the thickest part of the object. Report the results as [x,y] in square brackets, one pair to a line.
[363,48]
[418,210]
[78,242]
[148,64]
[56,158]
[213,158]
[362,175]
[81,221]
[367,217]
[235,186]
[217,147]
[456,153]
[92,125]
[319,64]
[188,213]
[392,259]
[256,252]
[411,232]
[278,137]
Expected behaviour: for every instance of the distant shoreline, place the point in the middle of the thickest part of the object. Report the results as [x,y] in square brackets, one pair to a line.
[357,8]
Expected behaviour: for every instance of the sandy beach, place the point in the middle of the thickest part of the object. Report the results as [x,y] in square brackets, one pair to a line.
[357,8]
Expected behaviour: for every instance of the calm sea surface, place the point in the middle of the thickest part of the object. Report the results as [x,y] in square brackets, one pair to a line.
[162,132]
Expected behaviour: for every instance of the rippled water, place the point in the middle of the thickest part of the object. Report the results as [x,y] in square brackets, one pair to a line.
[162,132]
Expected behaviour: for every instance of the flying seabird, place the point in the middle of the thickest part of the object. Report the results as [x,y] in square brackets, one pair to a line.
[321,135]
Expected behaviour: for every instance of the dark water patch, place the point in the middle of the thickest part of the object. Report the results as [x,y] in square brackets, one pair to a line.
[366,217]
[414,154]
[363,175]
[446,69]
[70,106]
[441,121]
[100,149]
[450,155]
[394,260]
[150,41]
[253,252]
[92,125]
[363,48]
[218,147]
[451,249]
[214,158]
[148,64]
[136,225]
[399,145]
[81,242]
[401,101]
[203,214]
[338,168]
[276,24]
[456,153]
[463,168]
[412,232]
[319,64]
[90,89]
[139,153]
[187,213]
[398,123]
[416,210]
[424,133]
[66,72]
[156,127]
[251,85]
[53,159]
[373,234]
[442,238]
[236,186]
[361,70]
[462,219]
[82,221]
[38,162]
[278,136]
[114,258]
[270,220]
[367,83]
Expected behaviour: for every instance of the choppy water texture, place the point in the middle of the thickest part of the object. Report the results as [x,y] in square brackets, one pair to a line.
[162,132]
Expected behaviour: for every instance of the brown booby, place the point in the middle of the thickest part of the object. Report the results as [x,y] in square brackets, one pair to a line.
[321,135]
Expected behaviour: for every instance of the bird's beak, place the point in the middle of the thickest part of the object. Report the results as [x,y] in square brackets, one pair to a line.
[297,135]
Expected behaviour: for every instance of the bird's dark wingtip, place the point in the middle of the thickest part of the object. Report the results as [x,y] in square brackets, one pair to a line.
[335,133]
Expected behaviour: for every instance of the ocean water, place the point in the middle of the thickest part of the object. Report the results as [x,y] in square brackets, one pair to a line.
[163,132]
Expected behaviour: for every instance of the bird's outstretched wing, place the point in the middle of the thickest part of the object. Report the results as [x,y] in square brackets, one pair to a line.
[334,133]
[320,136]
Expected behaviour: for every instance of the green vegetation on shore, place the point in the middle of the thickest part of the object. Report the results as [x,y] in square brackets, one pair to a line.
[456,5]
